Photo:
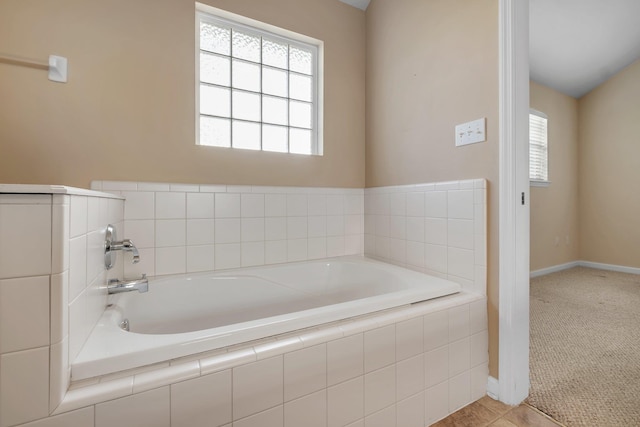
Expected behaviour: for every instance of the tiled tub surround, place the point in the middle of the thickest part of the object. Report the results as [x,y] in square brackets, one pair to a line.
[182,228]
[161,394]
[405,367]
[51,290]
[437,228]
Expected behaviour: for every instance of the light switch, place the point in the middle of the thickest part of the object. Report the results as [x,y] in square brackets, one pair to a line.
[471,132]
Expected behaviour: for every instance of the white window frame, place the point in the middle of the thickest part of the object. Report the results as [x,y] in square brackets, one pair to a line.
[536,182]
[221,17]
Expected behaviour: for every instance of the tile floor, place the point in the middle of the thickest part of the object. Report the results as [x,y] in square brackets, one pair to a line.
[487,412]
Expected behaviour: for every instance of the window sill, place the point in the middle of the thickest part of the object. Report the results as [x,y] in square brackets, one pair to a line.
[533,183]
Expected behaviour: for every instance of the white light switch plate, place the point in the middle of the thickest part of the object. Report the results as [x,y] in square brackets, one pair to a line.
[471,132]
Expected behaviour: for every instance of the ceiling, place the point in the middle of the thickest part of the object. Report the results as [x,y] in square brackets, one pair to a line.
[575,45]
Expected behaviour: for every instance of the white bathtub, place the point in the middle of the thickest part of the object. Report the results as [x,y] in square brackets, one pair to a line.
[190,314]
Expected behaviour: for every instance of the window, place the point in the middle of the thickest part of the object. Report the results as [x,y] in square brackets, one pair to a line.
[257,90]
[538,147]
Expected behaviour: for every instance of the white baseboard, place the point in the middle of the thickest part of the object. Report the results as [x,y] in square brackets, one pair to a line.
[554,269]
[493,388]
[610,267]
[597,265]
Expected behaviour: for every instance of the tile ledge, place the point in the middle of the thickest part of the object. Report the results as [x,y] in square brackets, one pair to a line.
[53,189]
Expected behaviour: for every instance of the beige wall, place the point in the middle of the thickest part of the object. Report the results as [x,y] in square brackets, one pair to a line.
[127,112]
[610,170]
[432,65]
[554,209]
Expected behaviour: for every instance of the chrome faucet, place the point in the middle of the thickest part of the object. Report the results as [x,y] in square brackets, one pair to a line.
[112,244]
[116,286]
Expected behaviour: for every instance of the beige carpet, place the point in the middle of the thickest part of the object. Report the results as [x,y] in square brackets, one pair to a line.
[585,347]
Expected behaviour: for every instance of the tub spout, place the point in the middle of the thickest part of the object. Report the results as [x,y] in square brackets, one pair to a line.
[116,286]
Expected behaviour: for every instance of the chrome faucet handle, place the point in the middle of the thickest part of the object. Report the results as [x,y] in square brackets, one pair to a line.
[111,244]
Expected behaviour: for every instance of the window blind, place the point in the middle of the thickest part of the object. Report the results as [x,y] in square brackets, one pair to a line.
[538,147]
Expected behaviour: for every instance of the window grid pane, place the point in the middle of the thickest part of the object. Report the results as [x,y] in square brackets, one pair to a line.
[275,107]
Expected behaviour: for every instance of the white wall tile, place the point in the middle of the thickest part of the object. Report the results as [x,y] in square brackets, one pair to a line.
[317,204]
[410,376]
[296,250]
[141,232]
[275,228]
[335,204]
[437,402]
[271,418]
[345,359]
[415,229]
[415,204]
[379,348]
[200,258]
[379,389]
[275,251]
[58,307]
[77,266]
[382,225]
[335,246]
[252,230]
[81,418]
[77,324]
[398,250]
[24,386]
[200,231]
[477,316]
[275,205]
[460,263]
[435,258]
[345,402]
[435,231]
[252,206]
[479,377]
[297,205]
[60,235]
[409,338]
[305,371]
[78,216]
[171,260]
[383,418]
[353,245]
[297,227]
[171,232]
[253,254]
[59,369]
[202,401]
[410,412]
[147,264]
[200,205]
[228,256]
[415,253]
[436,366]
[436,330]
[227,205]
[257,386]
[398,227]
[353,224]
[24,313]
[308,411]
[459,391]
[139,205]
[317,226]
[354,204]
[435,204]
[148,409]
[227,231]
[460,204]
[153,186]
[458,322]
[171,206]
[95,254]
[25,240]
[460,233]
[335,225]
[479,348]
[317,248]
[459,356]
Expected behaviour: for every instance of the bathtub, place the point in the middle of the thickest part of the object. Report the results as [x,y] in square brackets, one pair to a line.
[195,313]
